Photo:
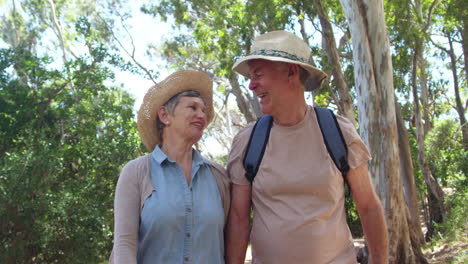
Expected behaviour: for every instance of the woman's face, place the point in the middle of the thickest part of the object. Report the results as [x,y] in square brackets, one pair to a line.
[189,119]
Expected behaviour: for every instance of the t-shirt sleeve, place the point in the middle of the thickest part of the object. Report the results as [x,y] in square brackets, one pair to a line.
[357,150]
[235,168]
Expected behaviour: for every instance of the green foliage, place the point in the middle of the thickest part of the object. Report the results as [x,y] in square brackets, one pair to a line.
[449,165]
[449,161]
[456,223]
[64,136]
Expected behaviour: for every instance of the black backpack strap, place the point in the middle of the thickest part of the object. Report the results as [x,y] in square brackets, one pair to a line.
[333,138]
[256,146]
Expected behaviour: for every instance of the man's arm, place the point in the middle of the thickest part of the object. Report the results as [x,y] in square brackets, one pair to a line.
[238,225]
[370,212]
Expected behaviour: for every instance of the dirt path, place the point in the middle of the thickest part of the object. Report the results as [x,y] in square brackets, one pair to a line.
[455,252]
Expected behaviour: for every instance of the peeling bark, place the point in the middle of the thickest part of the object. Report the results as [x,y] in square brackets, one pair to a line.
[406,170]
[377,122]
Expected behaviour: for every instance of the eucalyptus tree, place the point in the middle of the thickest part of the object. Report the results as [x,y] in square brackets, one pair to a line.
[377,120]
[414,32]
[419,19]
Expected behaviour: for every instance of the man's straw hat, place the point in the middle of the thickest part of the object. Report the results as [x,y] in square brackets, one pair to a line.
[160,93]
[282,46]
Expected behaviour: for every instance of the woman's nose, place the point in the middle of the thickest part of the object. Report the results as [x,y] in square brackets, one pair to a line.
[201,114]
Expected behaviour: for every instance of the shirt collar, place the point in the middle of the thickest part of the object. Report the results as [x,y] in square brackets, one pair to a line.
[159,156]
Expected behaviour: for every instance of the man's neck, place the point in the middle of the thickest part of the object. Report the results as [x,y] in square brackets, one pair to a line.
[292,114]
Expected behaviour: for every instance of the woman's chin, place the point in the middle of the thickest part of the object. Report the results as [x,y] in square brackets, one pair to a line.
[195,138]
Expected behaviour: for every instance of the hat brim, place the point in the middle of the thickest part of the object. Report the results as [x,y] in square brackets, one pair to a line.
[159,94]
[316,76]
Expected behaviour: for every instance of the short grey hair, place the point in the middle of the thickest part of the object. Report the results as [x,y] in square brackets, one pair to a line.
[303,73]
[171,104]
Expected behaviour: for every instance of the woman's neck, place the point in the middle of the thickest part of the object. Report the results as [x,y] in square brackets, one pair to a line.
[178,151]
[182,154]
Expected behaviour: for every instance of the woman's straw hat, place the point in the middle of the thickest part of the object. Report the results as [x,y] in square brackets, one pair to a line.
[282,46]
[160,93]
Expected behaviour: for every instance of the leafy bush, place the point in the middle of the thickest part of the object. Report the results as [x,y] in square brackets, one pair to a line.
[64,138]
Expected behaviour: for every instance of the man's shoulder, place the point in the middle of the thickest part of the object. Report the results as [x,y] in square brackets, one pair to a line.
[344,122]
[240,141]
[245,132]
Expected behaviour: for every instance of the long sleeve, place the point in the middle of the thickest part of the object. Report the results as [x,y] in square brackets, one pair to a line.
[126,214]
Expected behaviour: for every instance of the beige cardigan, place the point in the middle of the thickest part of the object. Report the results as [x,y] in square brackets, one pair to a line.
[133,188]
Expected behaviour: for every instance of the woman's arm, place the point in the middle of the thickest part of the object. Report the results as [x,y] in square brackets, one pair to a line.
[126,215]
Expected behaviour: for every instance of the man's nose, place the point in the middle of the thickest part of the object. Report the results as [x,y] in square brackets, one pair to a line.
[252,85]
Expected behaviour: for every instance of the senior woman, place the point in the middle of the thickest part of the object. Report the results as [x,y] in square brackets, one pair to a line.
[171,204]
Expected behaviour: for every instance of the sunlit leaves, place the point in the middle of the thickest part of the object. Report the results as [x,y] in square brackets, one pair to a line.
[67,136]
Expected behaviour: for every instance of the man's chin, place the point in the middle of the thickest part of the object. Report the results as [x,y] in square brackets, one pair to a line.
[266,110]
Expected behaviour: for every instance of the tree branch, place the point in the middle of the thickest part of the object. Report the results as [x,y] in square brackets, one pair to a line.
[132,54]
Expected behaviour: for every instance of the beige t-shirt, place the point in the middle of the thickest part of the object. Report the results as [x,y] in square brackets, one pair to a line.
[298,194]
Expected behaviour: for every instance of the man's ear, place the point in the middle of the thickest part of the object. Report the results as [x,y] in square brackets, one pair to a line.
[293,70]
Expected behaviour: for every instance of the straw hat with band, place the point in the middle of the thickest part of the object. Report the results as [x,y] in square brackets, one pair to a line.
[285,47]
[160,93]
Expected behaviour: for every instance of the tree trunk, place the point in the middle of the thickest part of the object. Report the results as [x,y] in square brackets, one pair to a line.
[58,31]
[377,121]
[345,103]
[464,34]
[406,169]
[423,22]
[424,95]
[242,102]
[435,215]
[434,187]
[459,105]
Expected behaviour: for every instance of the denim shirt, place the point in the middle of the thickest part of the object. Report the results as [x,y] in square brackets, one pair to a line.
[181,223]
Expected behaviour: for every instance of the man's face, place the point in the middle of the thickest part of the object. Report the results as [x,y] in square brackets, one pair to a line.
[267,80]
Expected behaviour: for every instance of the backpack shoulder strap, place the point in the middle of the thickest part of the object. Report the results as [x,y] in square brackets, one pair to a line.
[256,146]
[333,138]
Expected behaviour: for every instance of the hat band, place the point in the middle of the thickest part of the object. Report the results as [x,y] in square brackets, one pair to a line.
[277,53]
